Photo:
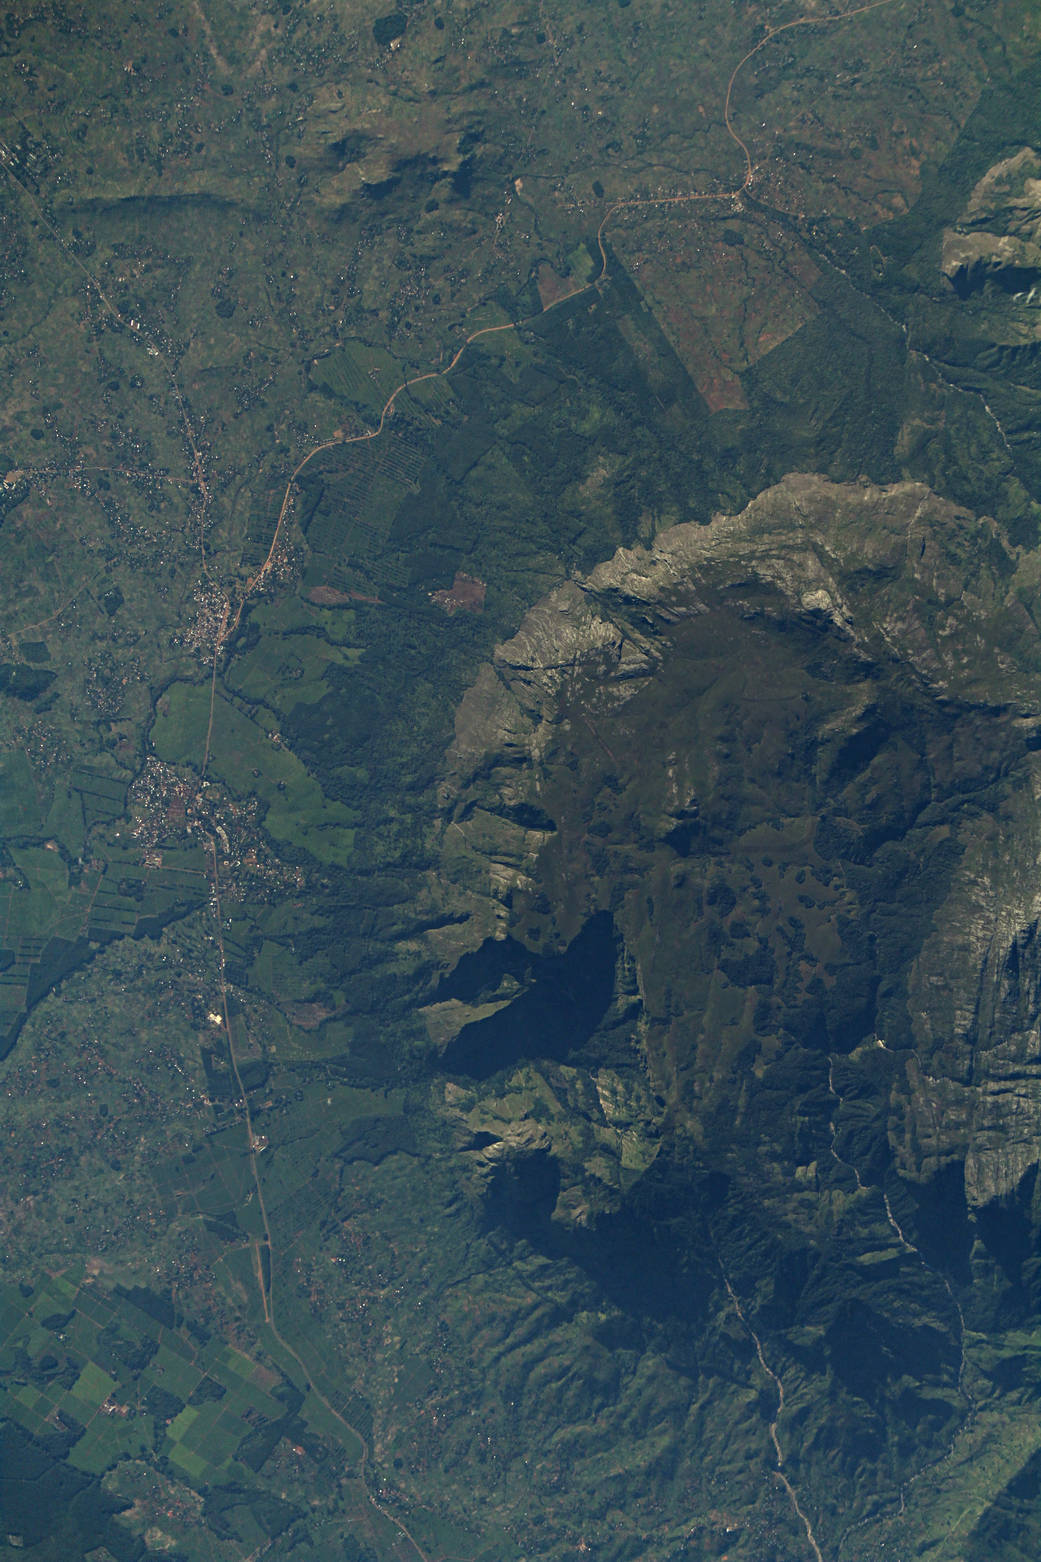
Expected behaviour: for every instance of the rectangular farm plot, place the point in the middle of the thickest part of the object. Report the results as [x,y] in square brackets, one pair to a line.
[359,374]
[32,1400]
[246,1383]
[191,1463]
[91,1388]
[63,1291]
[225,1396]
[353,495]
[27,1406]
[182,1424]
[324,1422]
[217,1181]
[175,1372]
[234,1361]
[12,1311]
[19,795]
[81,1336]
[110,1438]
[205,1437]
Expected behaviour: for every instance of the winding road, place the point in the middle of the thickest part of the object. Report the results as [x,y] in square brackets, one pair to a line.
[231,618]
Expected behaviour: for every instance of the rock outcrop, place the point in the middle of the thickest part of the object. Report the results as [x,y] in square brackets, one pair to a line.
[998,236]
[791,758]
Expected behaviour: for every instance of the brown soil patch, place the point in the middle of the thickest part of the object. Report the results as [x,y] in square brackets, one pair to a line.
[551,286]
[332,596]
[307,1016]
[465,594]
[328,596]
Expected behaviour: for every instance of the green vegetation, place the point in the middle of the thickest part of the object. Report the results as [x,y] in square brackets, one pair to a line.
[362,376]
[327,1233]
[253,760]
[103,1410]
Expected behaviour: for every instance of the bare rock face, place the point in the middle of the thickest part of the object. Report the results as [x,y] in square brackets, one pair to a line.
[1009,195]
[999,233]
[755,803]
[738,981]
[975,989]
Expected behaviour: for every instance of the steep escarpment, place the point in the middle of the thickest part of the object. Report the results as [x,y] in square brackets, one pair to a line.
[997,235]
[740,996]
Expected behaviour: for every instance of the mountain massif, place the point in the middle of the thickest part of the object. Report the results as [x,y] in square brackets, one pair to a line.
[739,995]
